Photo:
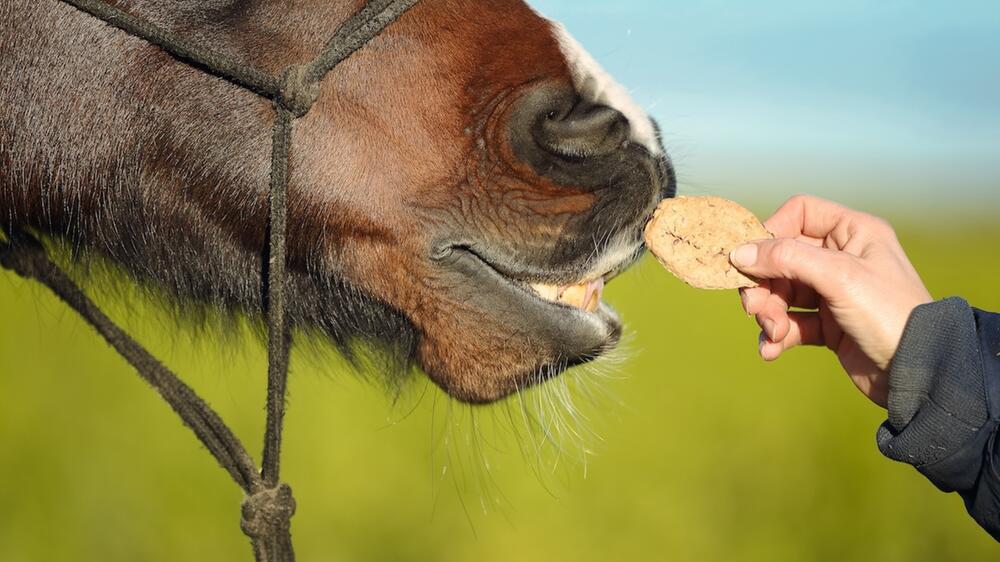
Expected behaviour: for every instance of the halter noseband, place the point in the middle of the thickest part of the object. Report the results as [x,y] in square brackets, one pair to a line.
[269,506]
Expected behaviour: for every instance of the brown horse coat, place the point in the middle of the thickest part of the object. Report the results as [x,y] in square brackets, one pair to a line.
[457,175]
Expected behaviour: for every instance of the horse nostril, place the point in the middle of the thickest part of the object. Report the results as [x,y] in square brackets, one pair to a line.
[584,131]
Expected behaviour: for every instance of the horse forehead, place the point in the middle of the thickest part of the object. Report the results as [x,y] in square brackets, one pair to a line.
[595,84]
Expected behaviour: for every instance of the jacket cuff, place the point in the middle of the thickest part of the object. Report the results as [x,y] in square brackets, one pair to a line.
[937,396]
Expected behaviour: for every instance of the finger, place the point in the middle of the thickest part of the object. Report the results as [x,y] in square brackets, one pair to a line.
[781,289]
[805,328]
[753,298]
[795,295]
[833,334]
[773,318]
[819,268]
[818,242]
[806,215]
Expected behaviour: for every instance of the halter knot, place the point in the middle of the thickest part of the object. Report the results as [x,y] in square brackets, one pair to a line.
[298,91]
[268,510]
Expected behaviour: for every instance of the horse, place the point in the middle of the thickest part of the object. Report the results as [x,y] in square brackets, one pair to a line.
[461,192]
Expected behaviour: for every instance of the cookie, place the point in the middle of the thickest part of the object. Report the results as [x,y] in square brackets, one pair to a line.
[693,236]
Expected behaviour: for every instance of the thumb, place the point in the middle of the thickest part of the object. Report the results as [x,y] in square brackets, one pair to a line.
[787,258]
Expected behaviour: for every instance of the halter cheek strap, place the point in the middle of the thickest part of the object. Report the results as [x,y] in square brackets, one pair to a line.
[269,506]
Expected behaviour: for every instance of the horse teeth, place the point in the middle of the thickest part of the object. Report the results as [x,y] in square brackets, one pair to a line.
[547,292]
[574,295]
[595,290]
[585,296]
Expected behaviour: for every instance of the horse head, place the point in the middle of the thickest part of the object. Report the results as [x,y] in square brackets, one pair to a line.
[460,193]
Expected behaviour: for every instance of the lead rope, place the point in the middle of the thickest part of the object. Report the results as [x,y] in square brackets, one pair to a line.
[269,505]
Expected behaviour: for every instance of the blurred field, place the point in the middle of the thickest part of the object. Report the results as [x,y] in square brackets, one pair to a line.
[704,453]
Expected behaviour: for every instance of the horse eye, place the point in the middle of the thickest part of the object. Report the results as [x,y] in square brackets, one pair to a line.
[552,114]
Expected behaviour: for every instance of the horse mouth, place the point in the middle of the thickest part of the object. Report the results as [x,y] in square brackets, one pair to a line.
[569,319]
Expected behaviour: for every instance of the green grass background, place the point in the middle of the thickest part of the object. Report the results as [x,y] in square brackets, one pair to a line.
[698,451]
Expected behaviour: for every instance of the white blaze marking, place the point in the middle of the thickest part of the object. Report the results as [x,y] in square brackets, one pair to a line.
[596,85]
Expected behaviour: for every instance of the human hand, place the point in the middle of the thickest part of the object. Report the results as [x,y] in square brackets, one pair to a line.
[849,278]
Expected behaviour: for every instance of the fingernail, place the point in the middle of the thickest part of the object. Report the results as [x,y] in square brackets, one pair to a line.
[745,299]
[761,341]
[769,328]
[744,256]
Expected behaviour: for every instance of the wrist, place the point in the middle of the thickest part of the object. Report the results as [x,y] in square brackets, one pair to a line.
[896,326]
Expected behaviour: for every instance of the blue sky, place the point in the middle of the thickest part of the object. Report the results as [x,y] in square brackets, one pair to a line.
[875,101]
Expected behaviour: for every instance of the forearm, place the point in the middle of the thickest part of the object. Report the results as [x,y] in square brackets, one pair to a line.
[944,403]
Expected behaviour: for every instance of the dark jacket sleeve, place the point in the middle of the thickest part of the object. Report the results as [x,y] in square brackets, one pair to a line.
[944,404]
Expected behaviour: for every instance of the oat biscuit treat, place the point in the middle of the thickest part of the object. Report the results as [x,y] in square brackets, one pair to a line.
[693,236]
